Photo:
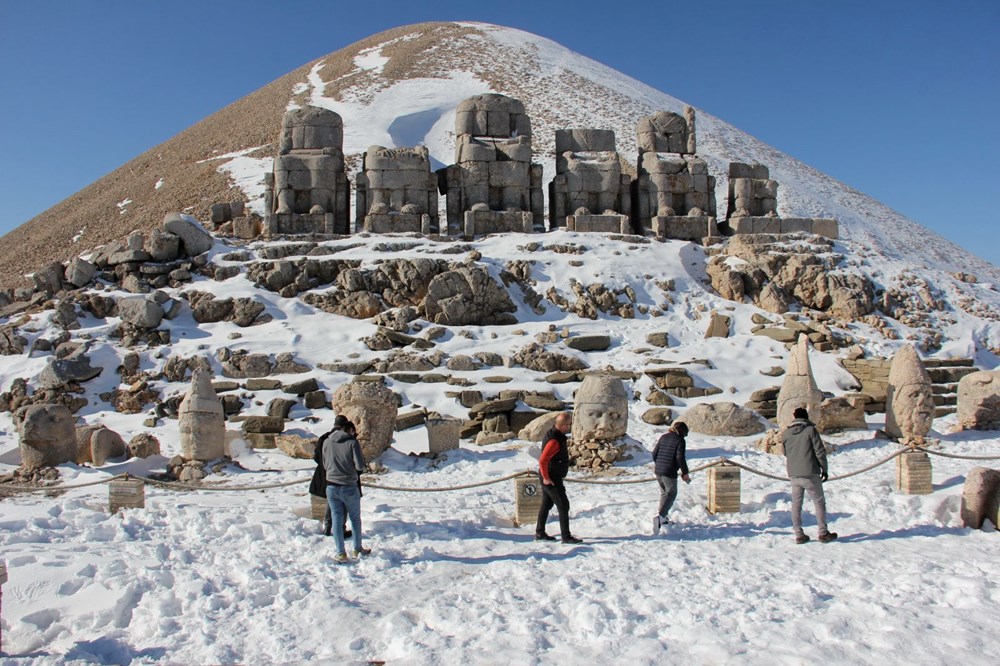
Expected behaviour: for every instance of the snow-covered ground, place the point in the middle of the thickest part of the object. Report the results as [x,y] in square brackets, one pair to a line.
[244,577]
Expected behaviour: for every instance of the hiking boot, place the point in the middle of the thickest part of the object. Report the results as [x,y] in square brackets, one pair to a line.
[544,537]
[828,537]
[656,525]
[571,539]
[804,538]
[340,558]
[364,552]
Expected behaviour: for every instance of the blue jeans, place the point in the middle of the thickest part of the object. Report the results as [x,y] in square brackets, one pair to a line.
[345,499]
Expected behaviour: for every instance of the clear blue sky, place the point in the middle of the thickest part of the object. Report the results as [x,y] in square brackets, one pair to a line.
[897,98]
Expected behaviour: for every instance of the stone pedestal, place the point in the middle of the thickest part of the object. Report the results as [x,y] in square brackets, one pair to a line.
[126,494]
[483,222]
[608,224]
[913,473]
[724,489]
[443,434]
[683,227]
[317,507]
[527,500]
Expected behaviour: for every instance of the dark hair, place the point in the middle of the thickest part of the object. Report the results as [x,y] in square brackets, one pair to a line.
[340,422]
[680,428]
[800,413]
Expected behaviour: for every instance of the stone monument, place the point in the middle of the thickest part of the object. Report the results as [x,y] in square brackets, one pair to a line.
[589,192]
[202,423]
[47,436]
[396,192]
[308,191]
[979,400]
[371,407]
[909,401]
[799,387]
[600,410]
[493,187]
[753,206]
[673,196]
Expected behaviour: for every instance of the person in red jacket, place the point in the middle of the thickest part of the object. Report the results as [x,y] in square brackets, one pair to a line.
[553,465]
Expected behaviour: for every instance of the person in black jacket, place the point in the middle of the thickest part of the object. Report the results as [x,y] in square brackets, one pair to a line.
[553,466]
[669,458]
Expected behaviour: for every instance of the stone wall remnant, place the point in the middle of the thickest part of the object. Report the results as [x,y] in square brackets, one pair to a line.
[753,206]
[589,192]
[674,195]
[909,401]
[202,423]
[308,190]
[493,187]
[396,191]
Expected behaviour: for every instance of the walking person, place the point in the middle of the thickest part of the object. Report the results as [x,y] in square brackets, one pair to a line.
[553,466]
[343,462]
[669,457]
[805,458]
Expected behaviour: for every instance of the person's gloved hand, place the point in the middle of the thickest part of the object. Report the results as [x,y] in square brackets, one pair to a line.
[823,477]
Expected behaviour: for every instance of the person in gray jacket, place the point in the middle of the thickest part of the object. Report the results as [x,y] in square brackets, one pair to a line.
[343,462]
[805,458]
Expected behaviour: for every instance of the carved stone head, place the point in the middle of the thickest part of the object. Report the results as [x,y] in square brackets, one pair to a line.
[909,403]
[600,412]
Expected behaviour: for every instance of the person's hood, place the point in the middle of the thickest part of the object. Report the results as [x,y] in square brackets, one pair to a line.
[339,436]
[798,426]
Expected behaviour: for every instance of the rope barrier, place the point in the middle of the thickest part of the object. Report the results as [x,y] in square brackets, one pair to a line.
[592,480]
[955,455]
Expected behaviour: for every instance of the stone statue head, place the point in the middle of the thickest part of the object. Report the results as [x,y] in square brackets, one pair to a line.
[600,412]
[371,407]
[909,405]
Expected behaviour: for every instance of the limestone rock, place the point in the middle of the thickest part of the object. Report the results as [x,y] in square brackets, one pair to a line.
[722,418]
[534,431]
[263,424]
[443,434]
[798,389]
[842,413]
[104,445]
[73,368]
[47,436]
[79,272]
[535,357]
[202,425]
[600,412]
[144,445]
[11,344]
[296,446]
[718,326]
[981,497]
[979,400]
[909,399]
[371,406]
[194,239]
[140,311]
[588,343]
[658,416]
[468,295]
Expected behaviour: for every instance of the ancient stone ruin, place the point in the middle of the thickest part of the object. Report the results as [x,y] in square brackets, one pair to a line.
[371,407]
[979,400]
[589,192]
[308,191]
[493,187]
[396,192]
[909,402]
[202,423]
[799,387]
[674,196]
[753,206]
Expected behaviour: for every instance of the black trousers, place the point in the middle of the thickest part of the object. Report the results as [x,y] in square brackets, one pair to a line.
[554,495]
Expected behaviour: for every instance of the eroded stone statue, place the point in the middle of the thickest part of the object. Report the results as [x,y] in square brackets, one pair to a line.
[979,400]
[589,192]
[493,185]
[396,191]
[202,423]
[674,194]
[600,410]
[799,386]
[47,436]
[909,402]
[371,407]
[308,190]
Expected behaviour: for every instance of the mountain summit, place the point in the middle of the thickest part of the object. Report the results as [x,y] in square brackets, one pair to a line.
[401,88]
